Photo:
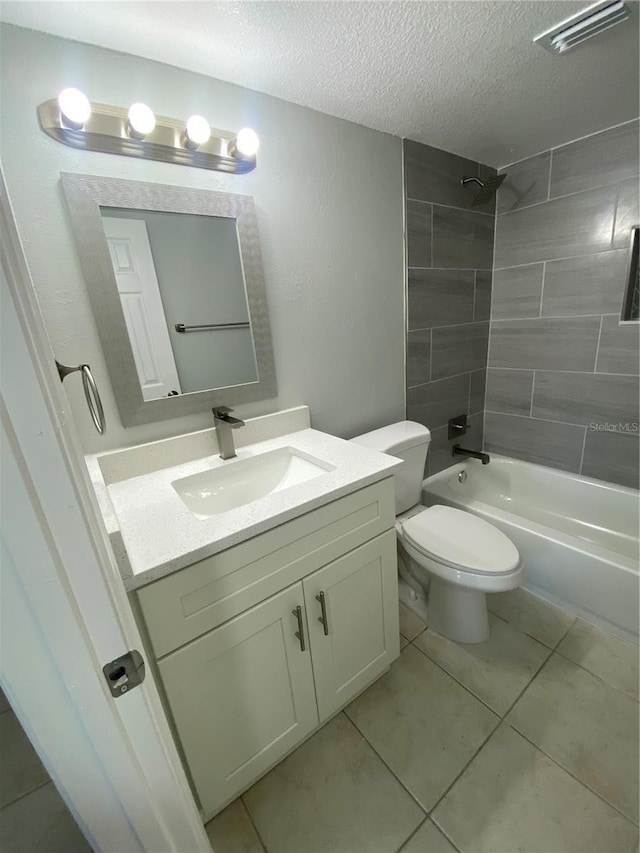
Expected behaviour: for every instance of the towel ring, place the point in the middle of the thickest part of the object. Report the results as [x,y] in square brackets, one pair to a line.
[91,393]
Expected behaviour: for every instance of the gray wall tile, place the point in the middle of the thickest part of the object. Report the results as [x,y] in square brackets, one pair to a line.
[440,297]
[434,403]
[545,344]
[482,305]
[517,292]
[604,158]
[439,456]
[627,213]
[593,284]
[440,448]
[526,183]
[457,349]
[619,350]
[562,228]
[612,456]
[462,238]
[585,398]
[509,391]
[434,175]
[418,357]
[543,442]
[477,390]
[419,234]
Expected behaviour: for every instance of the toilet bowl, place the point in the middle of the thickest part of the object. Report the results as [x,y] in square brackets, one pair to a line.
[449,559]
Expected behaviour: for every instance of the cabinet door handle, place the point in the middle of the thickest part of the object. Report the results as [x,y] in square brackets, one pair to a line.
[323,609]
[300,632]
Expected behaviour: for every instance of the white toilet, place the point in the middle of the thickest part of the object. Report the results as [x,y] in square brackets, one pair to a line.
[448,559]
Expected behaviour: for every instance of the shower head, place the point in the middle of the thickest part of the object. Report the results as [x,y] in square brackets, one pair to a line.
[488,188]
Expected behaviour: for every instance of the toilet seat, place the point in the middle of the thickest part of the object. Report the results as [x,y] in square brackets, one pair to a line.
[460,540]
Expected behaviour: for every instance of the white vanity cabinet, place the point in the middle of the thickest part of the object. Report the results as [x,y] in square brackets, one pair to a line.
[313,609]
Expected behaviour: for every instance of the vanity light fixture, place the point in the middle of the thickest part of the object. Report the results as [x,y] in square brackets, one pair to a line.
[245,144]
[141,120]
[197,132]
[137,132]
[74,107]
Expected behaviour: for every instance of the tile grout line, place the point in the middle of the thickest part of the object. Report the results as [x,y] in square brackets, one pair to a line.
[550,171]
[452,677]
[595,363]
[395,775]
[615,216]
[550,370]
[541,317]
[26,794]
[533,385]
[544,275]
[430,354]
[463,209]
[554,198]
[252,822]
[431,235]
[567,144]
[551,260]
[573,776]
[409,837]
[584,444]
[454,325]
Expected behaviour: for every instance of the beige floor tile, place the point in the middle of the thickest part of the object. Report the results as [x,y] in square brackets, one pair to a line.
[40,822]
[403,642]
[232,831]
[332,794]
[496,671]
[410,624]
[423,725]
[22,770]
[428,839]
[514,798]
[589,728]
[531,615]
[606,656]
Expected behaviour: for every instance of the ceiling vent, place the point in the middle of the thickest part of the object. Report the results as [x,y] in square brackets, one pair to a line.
[596,19]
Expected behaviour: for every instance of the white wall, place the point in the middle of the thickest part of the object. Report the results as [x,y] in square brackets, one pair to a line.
[328,195]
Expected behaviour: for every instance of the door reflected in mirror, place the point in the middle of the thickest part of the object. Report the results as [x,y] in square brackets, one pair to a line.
[182,289]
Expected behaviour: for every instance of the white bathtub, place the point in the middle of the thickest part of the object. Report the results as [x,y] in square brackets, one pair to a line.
[579,537]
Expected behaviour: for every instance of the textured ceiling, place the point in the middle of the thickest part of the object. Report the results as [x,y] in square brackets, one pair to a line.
[462,75]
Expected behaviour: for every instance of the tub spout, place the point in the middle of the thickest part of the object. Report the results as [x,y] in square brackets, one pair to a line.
[476,454]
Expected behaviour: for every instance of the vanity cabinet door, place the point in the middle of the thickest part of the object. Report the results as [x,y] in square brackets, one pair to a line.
[242,696]
[361,637]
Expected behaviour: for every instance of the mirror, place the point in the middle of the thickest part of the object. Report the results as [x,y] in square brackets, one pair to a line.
[175,281]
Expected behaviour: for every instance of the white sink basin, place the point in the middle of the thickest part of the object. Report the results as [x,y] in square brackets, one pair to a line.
[243,481]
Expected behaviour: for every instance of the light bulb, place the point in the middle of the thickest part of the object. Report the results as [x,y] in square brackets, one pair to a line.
[246,142]
[198,131]
[141,120]
[74,107]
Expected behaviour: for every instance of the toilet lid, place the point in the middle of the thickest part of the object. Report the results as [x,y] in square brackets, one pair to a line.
[461,540]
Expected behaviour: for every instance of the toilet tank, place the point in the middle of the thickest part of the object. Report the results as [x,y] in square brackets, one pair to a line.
[408,441]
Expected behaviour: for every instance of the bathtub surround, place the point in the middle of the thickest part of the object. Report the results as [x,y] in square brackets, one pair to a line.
[330,223]
[562,377]
[449,261]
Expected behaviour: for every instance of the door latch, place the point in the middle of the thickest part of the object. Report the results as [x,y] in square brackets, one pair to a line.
[124,673]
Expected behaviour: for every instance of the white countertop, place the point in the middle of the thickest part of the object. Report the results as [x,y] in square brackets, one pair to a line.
[161,535]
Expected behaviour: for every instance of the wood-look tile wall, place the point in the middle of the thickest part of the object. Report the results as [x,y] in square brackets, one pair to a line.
[562,378]
[450,258]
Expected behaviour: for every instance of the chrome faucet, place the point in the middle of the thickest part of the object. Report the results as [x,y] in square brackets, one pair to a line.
[476,454]
[224,425]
